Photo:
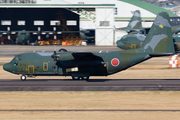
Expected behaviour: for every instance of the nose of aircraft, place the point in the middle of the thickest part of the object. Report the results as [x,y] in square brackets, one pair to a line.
[7,67]
[121,45]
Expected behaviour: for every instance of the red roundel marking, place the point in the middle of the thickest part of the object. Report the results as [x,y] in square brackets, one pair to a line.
[115,62]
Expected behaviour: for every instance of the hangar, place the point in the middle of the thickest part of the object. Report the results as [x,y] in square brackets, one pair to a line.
[35,19]
[39,16]
[101,15]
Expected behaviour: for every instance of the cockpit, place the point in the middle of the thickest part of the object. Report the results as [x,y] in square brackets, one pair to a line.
[17,57]
[12,66]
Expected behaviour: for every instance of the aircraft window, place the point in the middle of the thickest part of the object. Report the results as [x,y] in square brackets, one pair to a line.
[15,64]
[21,22]
[124,37]
[17,57]
[45,66]
[71,22]
[87,31]
[23,33]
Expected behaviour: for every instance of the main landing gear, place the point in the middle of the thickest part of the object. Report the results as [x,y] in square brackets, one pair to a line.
[85,78]
[23,77]
[82,78]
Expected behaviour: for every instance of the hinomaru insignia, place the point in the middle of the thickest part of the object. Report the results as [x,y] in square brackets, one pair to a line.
[161,26]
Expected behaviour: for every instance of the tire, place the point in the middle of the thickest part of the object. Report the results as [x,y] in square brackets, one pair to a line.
[85,78]
[75,78]
[23,77]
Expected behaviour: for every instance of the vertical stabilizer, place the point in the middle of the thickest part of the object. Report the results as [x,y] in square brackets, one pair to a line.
[135,22]
[159,39]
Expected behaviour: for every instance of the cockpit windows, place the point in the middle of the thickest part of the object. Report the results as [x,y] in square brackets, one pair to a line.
[124,37]
[18,57]
[23,33]
[15,64]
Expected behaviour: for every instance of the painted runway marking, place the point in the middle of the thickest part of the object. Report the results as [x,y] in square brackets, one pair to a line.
[19,48]
[26,48]
[13,47]
[90,110]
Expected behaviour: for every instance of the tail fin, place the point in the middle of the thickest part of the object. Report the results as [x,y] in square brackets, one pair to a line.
[159,40]
[135,22]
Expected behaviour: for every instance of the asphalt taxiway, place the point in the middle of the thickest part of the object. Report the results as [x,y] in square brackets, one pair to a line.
[91,85]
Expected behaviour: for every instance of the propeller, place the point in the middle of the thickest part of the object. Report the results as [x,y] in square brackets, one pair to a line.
[54,57]
[47,35]
[55,33]
[8,33]
[39,33]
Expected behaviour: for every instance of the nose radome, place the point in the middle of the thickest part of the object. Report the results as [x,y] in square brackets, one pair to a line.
[7,67]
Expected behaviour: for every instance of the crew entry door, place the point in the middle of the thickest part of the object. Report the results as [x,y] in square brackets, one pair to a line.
[31,69]
[45,66]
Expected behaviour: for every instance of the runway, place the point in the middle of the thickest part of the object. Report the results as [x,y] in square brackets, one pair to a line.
[91,85]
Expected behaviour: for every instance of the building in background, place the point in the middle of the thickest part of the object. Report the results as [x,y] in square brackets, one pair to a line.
[102,15]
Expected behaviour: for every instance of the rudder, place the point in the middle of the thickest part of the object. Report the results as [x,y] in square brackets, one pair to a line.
[159,39]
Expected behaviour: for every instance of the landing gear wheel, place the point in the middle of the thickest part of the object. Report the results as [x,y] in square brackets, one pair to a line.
[85,78]
[75,78]
[23,77]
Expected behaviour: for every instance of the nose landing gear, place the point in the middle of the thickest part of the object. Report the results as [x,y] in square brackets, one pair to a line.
[23,77]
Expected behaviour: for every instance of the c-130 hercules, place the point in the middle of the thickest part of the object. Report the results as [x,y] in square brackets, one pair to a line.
[82,65]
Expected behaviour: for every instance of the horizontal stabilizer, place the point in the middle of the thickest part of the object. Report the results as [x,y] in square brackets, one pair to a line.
[160,55]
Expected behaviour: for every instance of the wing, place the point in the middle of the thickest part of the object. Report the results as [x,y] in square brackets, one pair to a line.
[74,59]
[85,56]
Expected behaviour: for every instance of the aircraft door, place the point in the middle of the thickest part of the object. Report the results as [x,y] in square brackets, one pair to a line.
[45,66]
[31,69]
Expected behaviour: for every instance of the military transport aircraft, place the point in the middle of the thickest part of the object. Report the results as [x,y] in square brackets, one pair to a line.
[25,37]
[88,34]
[135,25]
[136,40]
[82,65]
